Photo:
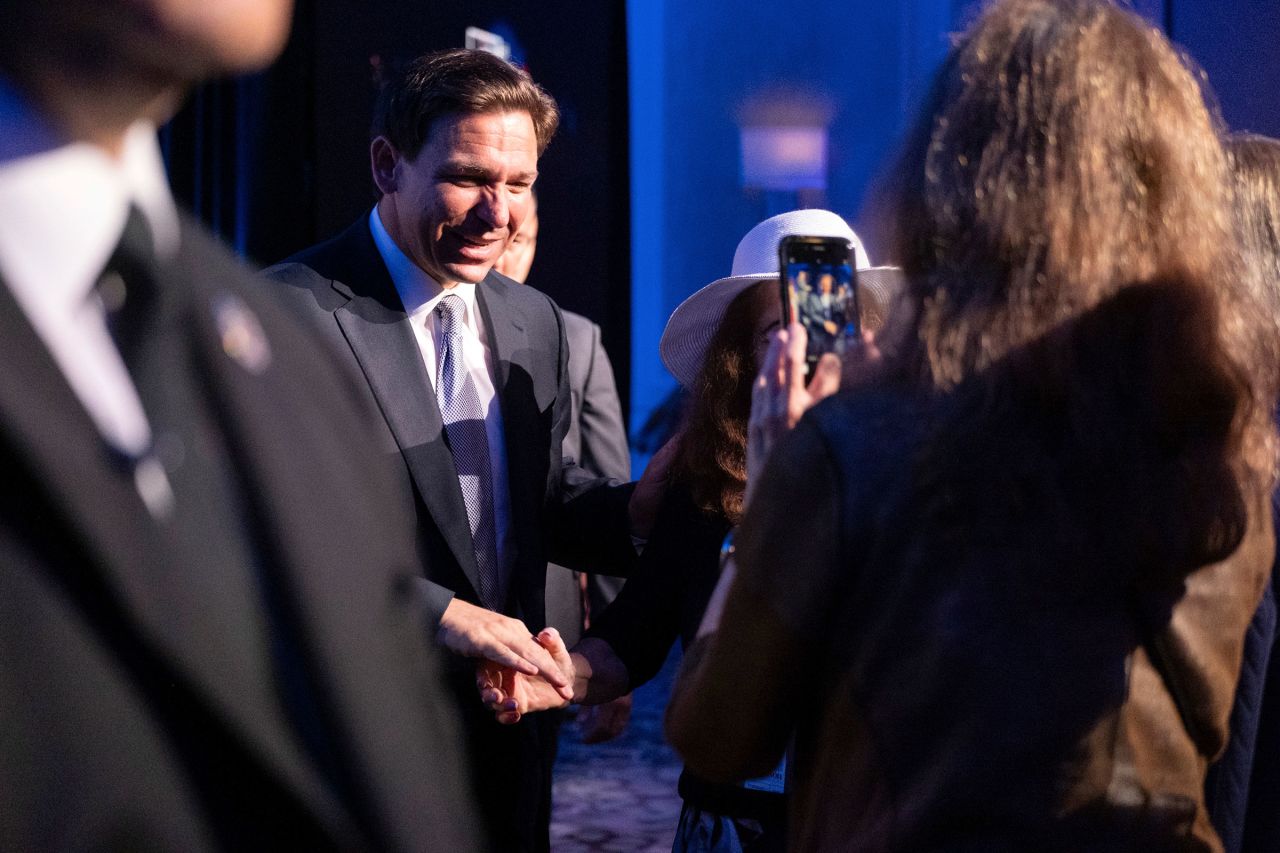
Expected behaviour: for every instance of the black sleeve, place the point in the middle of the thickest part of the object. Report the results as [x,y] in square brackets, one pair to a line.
[588,523]
[680,564]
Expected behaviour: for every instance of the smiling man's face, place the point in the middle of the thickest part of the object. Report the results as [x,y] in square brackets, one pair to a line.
[453,208]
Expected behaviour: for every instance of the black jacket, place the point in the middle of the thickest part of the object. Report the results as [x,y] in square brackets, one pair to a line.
[127,721]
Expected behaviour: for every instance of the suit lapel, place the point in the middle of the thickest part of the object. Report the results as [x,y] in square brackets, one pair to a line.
[505,327]
[378,332]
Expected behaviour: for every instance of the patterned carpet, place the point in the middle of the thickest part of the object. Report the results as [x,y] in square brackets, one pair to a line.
[619,796]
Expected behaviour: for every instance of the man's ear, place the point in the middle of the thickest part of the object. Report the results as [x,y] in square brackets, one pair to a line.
[384,160]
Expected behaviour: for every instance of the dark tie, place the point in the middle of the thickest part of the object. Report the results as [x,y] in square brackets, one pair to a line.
[465,430]
[131,314]
[128,287]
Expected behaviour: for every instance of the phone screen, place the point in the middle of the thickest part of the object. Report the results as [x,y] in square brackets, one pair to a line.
[820,292]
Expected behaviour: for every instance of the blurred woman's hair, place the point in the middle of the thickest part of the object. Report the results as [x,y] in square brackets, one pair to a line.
[712,460]
[1255,171]
[1065,152]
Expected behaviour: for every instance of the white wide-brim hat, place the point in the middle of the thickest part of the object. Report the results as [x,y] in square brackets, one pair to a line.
[694,322]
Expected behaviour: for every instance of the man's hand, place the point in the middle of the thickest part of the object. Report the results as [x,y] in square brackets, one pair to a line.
[601,723]
[475,632]
[511,694]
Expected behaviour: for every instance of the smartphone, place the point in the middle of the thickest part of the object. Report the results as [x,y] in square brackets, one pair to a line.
[820,291]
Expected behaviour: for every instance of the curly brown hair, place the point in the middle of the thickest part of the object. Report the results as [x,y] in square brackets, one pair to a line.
[1066,152]
[712,460]
[1255,169]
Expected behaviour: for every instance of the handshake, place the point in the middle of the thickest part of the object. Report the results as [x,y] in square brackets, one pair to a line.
[517,674]
[512,692]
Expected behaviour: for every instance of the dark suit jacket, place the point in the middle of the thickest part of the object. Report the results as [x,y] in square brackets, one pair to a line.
[597,439]
[557,510]
[122,723]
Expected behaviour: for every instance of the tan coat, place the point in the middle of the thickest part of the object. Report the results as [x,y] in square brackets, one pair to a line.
[952,615]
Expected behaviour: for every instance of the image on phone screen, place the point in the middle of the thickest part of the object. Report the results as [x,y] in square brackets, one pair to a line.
[822,297]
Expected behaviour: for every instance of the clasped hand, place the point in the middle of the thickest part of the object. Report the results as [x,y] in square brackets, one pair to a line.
[511,693]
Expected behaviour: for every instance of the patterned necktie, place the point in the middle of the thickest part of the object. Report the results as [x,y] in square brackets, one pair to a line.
[465,430]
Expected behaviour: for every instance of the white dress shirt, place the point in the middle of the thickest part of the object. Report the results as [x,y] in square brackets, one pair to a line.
[63,207]
[420,293]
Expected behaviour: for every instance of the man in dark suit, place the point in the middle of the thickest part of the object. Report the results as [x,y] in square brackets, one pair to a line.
[208,637]
[470,372]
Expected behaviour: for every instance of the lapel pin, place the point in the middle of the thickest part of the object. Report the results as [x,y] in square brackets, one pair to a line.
[241,333]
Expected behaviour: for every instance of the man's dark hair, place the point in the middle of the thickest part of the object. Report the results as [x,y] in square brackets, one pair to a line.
[454,82]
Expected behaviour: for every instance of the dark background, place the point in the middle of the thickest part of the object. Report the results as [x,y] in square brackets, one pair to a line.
[277,161]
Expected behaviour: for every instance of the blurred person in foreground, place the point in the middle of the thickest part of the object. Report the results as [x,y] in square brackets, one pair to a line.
[995,597]
[1240,790]
[713,345]
[207,636]
[597,439]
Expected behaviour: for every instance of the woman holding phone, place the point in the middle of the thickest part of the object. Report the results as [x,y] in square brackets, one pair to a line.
[996,598]
[713,344]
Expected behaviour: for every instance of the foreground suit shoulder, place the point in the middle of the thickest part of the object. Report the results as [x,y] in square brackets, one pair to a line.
[90,745]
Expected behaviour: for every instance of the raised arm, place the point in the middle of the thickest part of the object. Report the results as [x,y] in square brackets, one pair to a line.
[758,655]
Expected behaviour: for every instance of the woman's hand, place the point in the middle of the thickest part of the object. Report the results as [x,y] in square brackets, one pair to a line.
[646,500]
[780,396]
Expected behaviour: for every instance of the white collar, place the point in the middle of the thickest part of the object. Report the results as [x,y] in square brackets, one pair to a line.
[63,204]
[419,292]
